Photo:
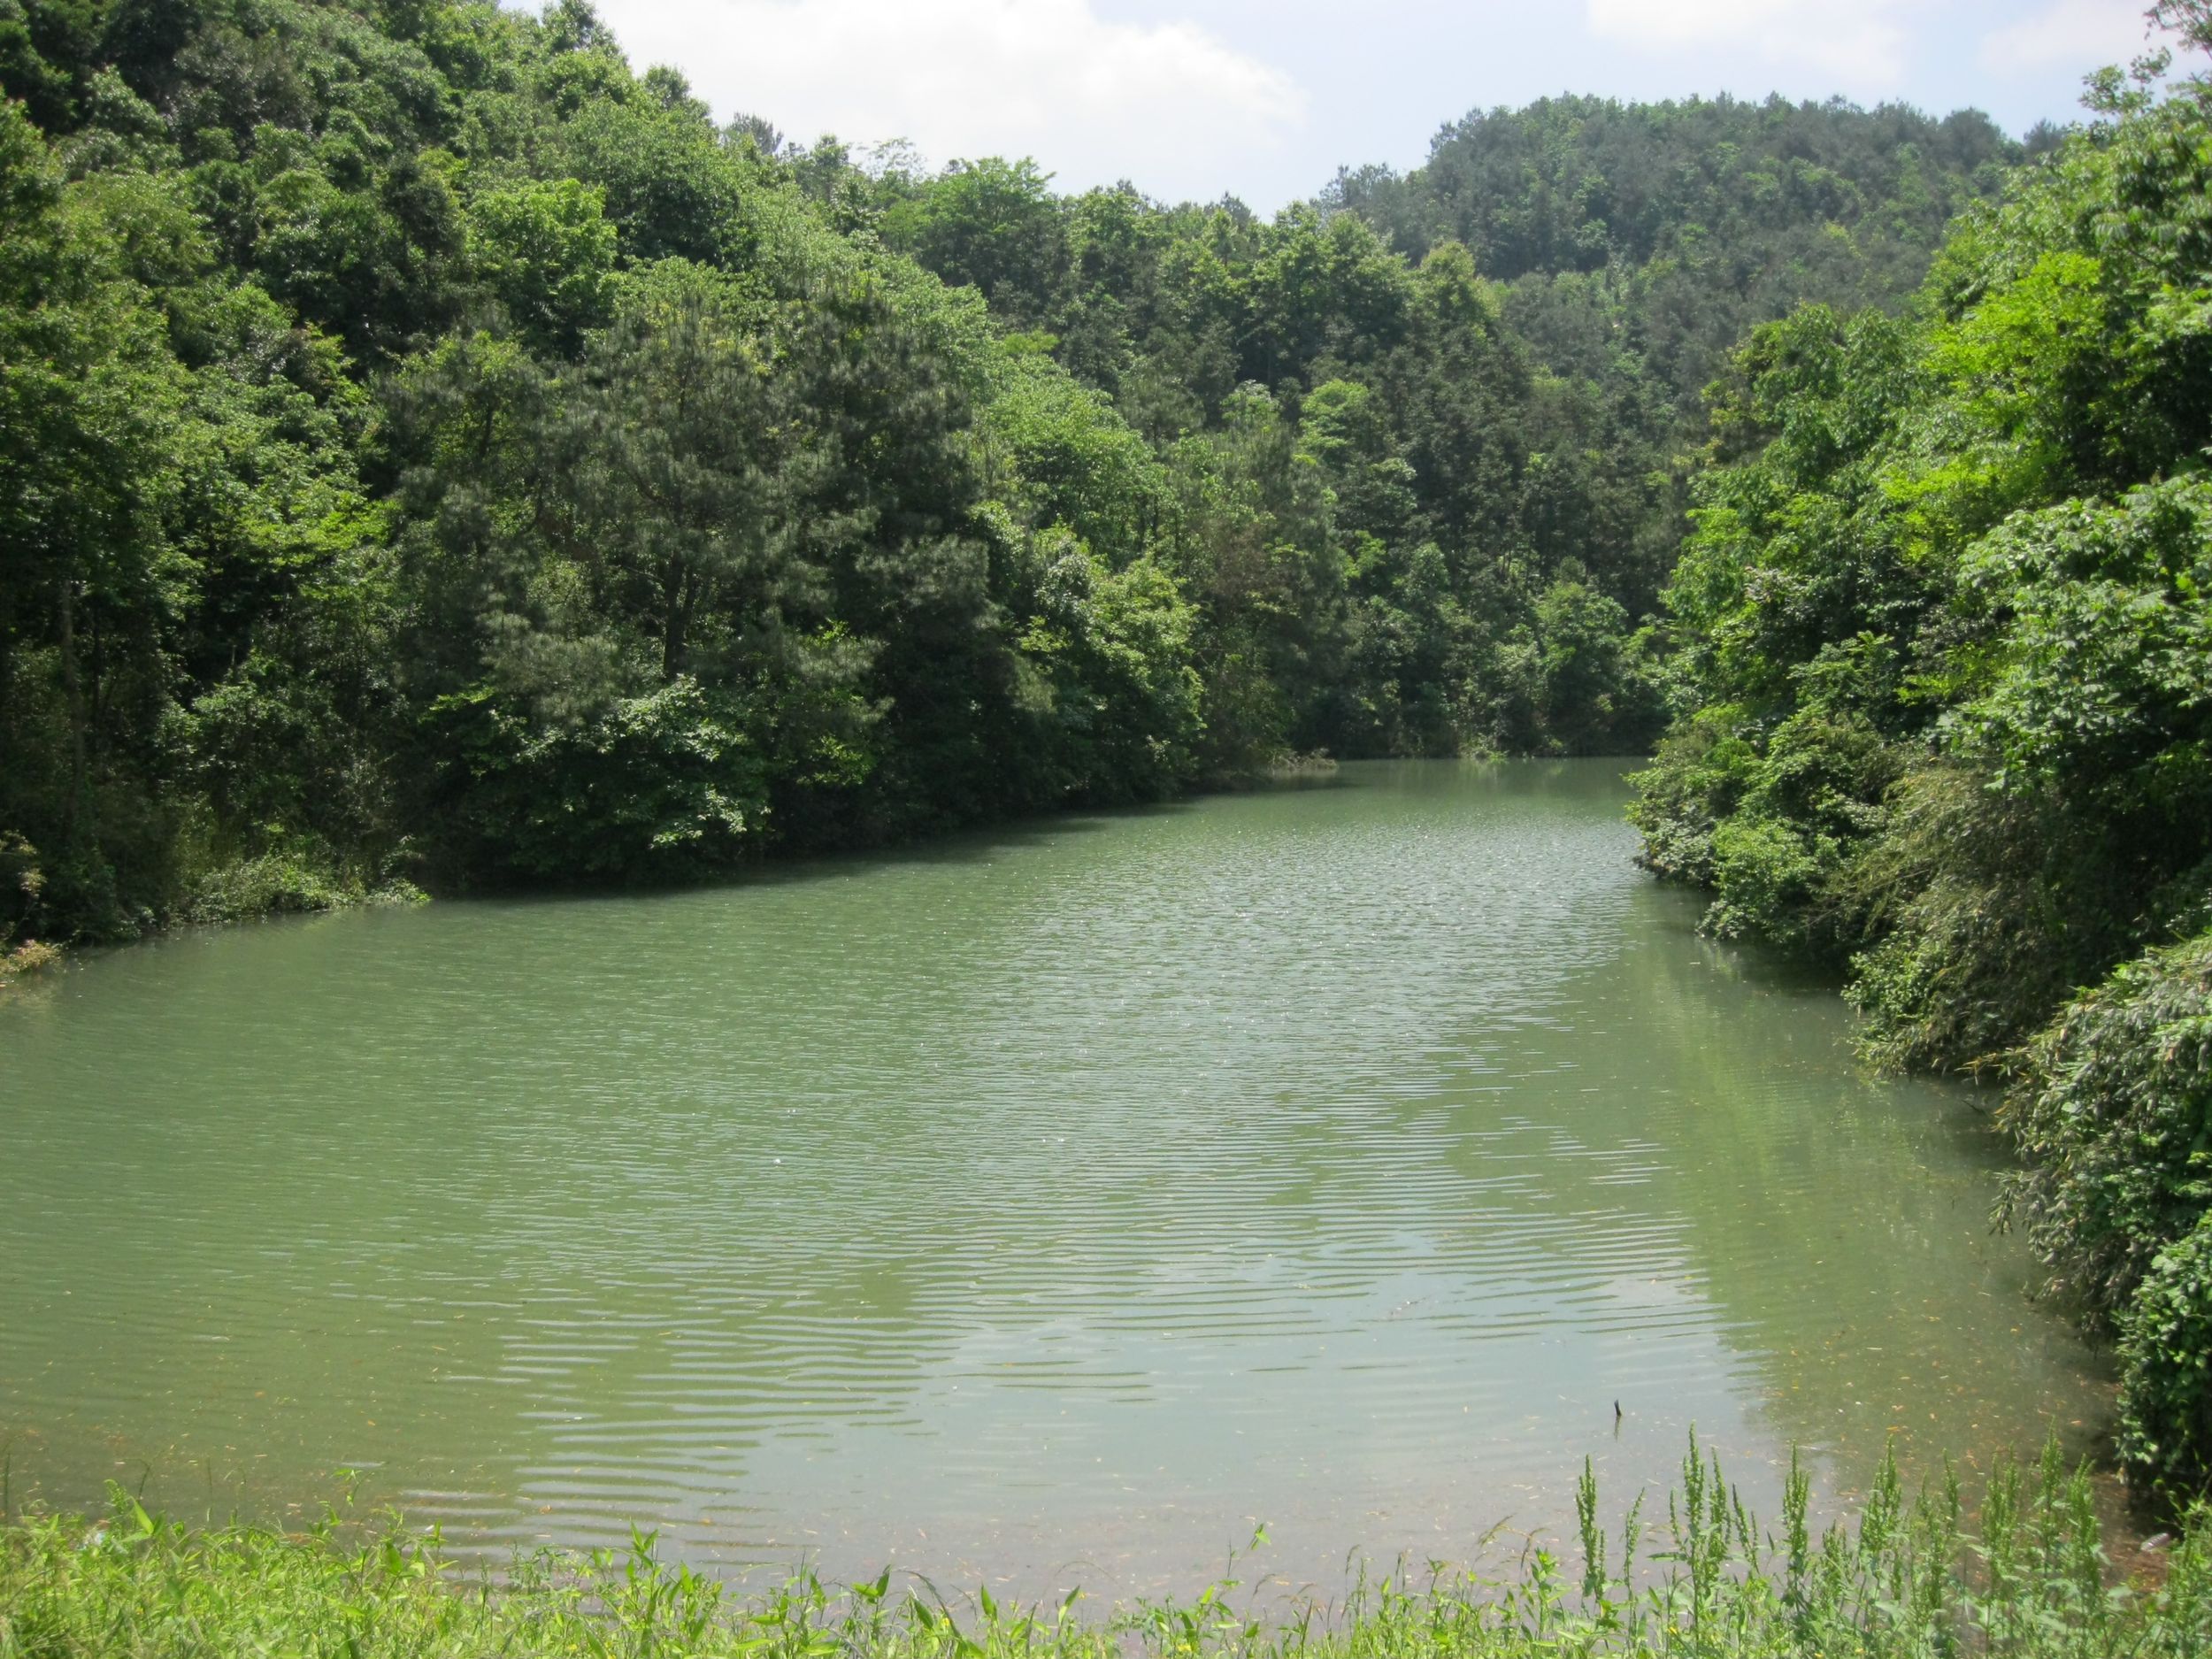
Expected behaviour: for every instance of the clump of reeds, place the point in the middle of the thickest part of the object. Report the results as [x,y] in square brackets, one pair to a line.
[1899,1579]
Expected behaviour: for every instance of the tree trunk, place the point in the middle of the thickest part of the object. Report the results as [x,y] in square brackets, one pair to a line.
[675,614]
[77,820]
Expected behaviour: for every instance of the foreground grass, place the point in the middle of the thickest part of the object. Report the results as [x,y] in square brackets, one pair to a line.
[2032,1579]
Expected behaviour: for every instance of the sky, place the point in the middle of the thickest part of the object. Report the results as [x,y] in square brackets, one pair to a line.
[1265,99]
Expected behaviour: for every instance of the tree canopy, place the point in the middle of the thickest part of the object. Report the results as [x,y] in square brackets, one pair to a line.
[436,452]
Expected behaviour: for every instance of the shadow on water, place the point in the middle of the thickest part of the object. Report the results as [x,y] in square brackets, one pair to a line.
[973,844]
[976,844]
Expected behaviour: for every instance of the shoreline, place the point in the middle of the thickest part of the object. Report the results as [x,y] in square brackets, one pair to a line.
[1904,1574]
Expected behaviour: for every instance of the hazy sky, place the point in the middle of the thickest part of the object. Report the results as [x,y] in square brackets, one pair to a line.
[1265,99]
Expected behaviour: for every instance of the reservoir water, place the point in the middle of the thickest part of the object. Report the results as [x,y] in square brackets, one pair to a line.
[1044,1207]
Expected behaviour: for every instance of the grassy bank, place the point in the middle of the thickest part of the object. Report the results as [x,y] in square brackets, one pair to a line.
[1696,1576]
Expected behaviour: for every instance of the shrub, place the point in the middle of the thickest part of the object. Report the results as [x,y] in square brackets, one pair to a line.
[1972,955]
[2166,1378]
[660,786]
[2114,1114]
[1698,777]
[28,957]
[272,884]
[1764,871]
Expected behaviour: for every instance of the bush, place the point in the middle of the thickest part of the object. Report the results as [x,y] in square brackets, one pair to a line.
[2114,1114]
[272,884]
[662,787]
[1697,778]
[1970,956]
[28,957]
[1765,873]
[2166,1378]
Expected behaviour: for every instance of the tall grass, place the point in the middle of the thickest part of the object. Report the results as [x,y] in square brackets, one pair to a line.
[1901,1577]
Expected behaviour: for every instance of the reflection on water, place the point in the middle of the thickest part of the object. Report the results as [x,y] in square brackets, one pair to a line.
[1050,1205]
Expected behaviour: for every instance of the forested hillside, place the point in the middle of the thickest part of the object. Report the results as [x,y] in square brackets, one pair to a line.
[1945,662]
[1635,245]
[1623,251]
[1678,226]
[435,453]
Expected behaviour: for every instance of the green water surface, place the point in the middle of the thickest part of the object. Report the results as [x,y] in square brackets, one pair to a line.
[1048,1206]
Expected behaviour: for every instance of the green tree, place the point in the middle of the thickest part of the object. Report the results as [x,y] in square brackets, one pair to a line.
[546,252]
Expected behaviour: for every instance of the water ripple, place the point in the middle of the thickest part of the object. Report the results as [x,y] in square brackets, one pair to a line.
[1337,1154]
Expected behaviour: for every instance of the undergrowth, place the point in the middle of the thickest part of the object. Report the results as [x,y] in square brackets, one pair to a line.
[1902,1577]
[31,956]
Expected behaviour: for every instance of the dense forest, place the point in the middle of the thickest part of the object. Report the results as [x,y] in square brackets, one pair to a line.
[1942,652]
[437,454]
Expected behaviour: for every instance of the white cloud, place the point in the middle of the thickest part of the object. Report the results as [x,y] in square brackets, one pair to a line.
[2082,35]
[1859,42]
[1167,104]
